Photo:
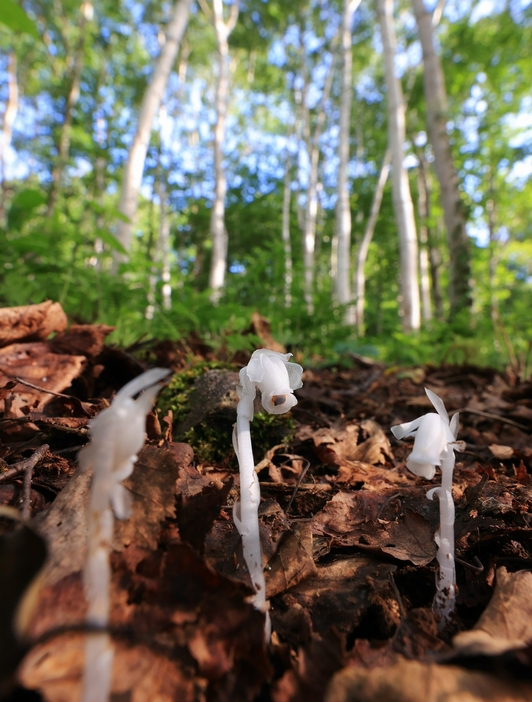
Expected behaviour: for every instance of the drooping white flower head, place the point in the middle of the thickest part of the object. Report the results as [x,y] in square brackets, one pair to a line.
[275,377]
[434,433]
[118,434]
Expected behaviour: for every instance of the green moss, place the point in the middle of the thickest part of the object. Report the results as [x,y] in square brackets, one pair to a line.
[176,395]
[212,439]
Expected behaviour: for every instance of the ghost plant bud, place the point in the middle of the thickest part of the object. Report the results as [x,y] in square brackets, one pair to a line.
[276,378]
[434,445]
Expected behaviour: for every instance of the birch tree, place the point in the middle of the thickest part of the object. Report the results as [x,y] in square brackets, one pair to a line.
[343,209]
[218,231]
[360,275]
[285,229]
[312,142]
[402,199]
[8,121]
[453,207]
[151,102]
[63,148]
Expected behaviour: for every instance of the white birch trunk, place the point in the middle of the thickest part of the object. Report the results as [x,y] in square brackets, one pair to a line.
[424,266]
[217,227]
[86,14]
[312,140]
[10,114]
[151,103]
[454,213]
[343,209]
[285,233]
[360,276]
[402,199]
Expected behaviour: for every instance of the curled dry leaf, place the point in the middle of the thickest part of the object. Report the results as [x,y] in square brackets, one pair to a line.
[36,364]
[31,322]
[412,681]
[506,623]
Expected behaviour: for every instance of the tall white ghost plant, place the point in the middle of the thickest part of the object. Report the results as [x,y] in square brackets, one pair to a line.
[276,378]
[117,435]
[434,445]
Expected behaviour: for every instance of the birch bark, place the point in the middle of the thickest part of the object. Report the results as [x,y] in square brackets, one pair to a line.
[402,199]
[460,295]
[343,209]
[217,226]
[86,12]
[10,114]
[151,103]
[312,142]
[360,276]
[285,230]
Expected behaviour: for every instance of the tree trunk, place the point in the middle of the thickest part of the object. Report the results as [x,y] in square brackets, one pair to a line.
[312,141]
[343,208]
[217,227]
[424,183]
[402,199]
[360,276]
[86,12]
[7,126]
[424,266]
[151,102]
[287,243]
[454,212]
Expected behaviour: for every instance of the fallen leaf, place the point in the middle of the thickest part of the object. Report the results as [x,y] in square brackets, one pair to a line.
[81,339]
[293,561]
[501,452]
[31,322]
[39,366]
[412,681]
[506,623]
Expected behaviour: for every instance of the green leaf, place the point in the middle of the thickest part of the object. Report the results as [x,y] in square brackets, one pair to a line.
[110,240]
[23,205]
[14,17]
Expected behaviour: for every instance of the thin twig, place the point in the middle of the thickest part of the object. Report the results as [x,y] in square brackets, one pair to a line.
[25,498]
[476,567]
[36,387]
[23,465]
[299,481]
[489,415]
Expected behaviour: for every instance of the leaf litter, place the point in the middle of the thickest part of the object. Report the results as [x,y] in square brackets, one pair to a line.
[347,534]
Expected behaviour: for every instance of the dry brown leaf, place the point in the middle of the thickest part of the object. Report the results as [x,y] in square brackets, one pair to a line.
[55,667]
[81,339]
[31,322]
[36,364]
[501,452]
[506,624]
[293,561]
[152,485]
[354,519]
[411,681]
[340,592]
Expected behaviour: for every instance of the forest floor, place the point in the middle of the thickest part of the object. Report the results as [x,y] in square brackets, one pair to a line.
[347,531]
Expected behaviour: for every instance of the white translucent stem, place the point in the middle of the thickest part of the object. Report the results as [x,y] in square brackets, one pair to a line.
[445,599]
[246,515]
[97,676]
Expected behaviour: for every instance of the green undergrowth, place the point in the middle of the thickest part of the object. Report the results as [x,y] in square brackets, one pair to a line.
[211,439]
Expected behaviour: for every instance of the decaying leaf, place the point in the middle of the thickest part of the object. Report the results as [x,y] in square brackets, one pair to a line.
[506,623]
[412,681]
[31,322]
[36,364]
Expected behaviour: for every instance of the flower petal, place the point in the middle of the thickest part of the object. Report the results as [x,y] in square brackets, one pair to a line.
[438,405]
[400,431]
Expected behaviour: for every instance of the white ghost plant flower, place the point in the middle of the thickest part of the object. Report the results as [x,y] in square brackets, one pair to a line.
[117,435]
[276,378]
[434,445]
